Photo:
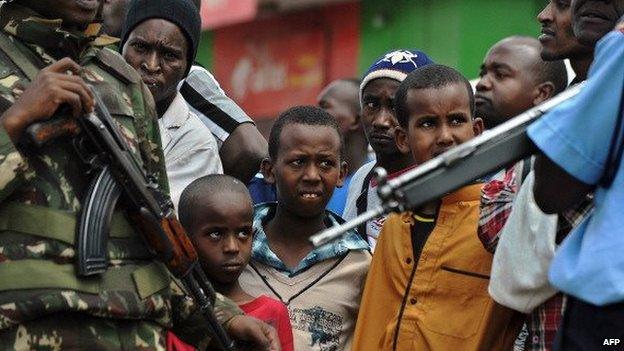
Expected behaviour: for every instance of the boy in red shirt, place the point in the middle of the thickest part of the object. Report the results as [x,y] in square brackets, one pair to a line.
[217,212]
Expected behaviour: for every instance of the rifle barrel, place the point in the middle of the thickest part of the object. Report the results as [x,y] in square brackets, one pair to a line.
[463,164]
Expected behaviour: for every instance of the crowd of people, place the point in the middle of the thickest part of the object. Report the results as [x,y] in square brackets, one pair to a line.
[526,258]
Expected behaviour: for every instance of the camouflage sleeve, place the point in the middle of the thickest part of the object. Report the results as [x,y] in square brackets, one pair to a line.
[13,166]
[190,325]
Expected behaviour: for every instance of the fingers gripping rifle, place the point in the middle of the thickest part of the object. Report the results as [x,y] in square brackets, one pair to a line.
[118,173]
[494,149]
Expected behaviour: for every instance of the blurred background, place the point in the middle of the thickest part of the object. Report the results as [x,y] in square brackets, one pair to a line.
[269,55]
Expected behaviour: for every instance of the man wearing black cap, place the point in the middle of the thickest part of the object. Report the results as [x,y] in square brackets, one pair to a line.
[159,39]
[241,146]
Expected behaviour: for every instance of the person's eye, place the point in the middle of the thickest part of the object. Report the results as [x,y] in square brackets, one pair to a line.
[327,164]
[214,235]
[500,75]
[371,105]
[139,47]
[426,124]
[170,56]
[244,234]
[458,120]
[296,163]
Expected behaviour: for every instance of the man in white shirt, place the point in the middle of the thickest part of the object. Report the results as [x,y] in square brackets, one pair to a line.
[162,47]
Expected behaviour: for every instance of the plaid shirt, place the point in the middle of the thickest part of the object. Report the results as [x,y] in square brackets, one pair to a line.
[496,204]
[261,251]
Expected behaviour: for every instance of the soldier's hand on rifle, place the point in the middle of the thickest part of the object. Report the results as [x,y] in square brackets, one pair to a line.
[58,84]
[254,331]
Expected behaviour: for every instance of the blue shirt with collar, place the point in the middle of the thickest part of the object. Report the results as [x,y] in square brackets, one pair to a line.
[577,137]
[261,252]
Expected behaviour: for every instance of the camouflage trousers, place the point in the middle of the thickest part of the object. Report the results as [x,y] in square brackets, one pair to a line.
[83,332]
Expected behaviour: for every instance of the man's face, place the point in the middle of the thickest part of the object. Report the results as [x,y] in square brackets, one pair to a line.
[378,116]
[557,38]
[222,234]
[157,49]
[507,86]
[340,99]
[439,119]
[592,19]
[307,168]
[74,13]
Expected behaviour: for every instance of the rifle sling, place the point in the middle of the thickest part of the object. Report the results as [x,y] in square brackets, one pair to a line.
[18,58]
[53,224]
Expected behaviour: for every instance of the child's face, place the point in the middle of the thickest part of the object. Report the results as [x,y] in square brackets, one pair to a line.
[439,119]
[307,168]
[223,235]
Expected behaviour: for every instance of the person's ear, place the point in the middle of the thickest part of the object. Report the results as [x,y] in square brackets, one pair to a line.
[266,168]
[401,140]
[477,126]
[344,170]
[544,92]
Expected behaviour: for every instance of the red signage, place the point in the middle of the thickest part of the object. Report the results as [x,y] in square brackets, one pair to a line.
[275,63]
[267,76]
[218,13]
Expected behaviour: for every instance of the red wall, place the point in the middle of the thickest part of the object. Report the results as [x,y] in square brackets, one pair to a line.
[271,64]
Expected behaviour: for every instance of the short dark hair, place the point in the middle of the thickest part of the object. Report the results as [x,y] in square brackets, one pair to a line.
[428,77]
[554,72]
[306,115]
[543,71]
[211,185]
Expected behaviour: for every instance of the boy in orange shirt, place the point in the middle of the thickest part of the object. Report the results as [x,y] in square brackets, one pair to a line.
[427,284]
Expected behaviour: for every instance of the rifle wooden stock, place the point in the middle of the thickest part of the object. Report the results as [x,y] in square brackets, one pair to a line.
[168,241]
[41,133]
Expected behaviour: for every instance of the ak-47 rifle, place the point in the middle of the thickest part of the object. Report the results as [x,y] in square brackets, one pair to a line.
[494,149]
[118,173]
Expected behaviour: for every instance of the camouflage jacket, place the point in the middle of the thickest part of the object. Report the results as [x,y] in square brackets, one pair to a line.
[41,191]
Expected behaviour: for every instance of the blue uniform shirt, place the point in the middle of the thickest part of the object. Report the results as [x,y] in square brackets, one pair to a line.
[577,136]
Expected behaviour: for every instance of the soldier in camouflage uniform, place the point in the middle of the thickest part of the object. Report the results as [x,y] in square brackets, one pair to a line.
[44,305]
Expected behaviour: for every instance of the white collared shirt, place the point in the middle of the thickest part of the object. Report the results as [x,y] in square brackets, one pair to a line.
[190,149]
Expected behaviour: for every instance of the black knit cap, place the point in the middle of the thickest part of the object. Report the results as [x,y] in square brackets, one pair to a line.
[182,13]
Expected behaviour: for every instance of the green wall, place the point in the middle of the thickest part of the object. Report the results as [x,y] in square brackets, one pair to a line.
[453,32]
[205,52]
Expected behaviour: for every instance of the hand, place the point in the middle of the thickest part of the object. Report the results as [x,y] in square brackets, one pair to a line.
[60,83]
[248,329]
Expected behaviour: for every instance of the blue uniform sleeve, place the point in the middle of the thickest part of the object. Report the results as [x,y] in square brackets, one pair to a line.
[577,134]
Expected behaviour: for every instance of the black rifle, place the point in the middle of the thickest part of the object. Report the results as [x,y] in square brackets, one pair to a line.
[494,149]
[151,212]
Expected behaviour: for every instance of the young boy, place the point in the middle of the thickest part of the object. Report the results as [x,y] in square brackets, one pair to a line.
[217,212]
[427,284]
[321,286]
[377,90]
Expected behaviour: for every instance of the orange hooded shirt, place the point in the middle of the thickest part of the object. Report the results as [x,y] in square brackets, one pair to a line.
[443,303]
